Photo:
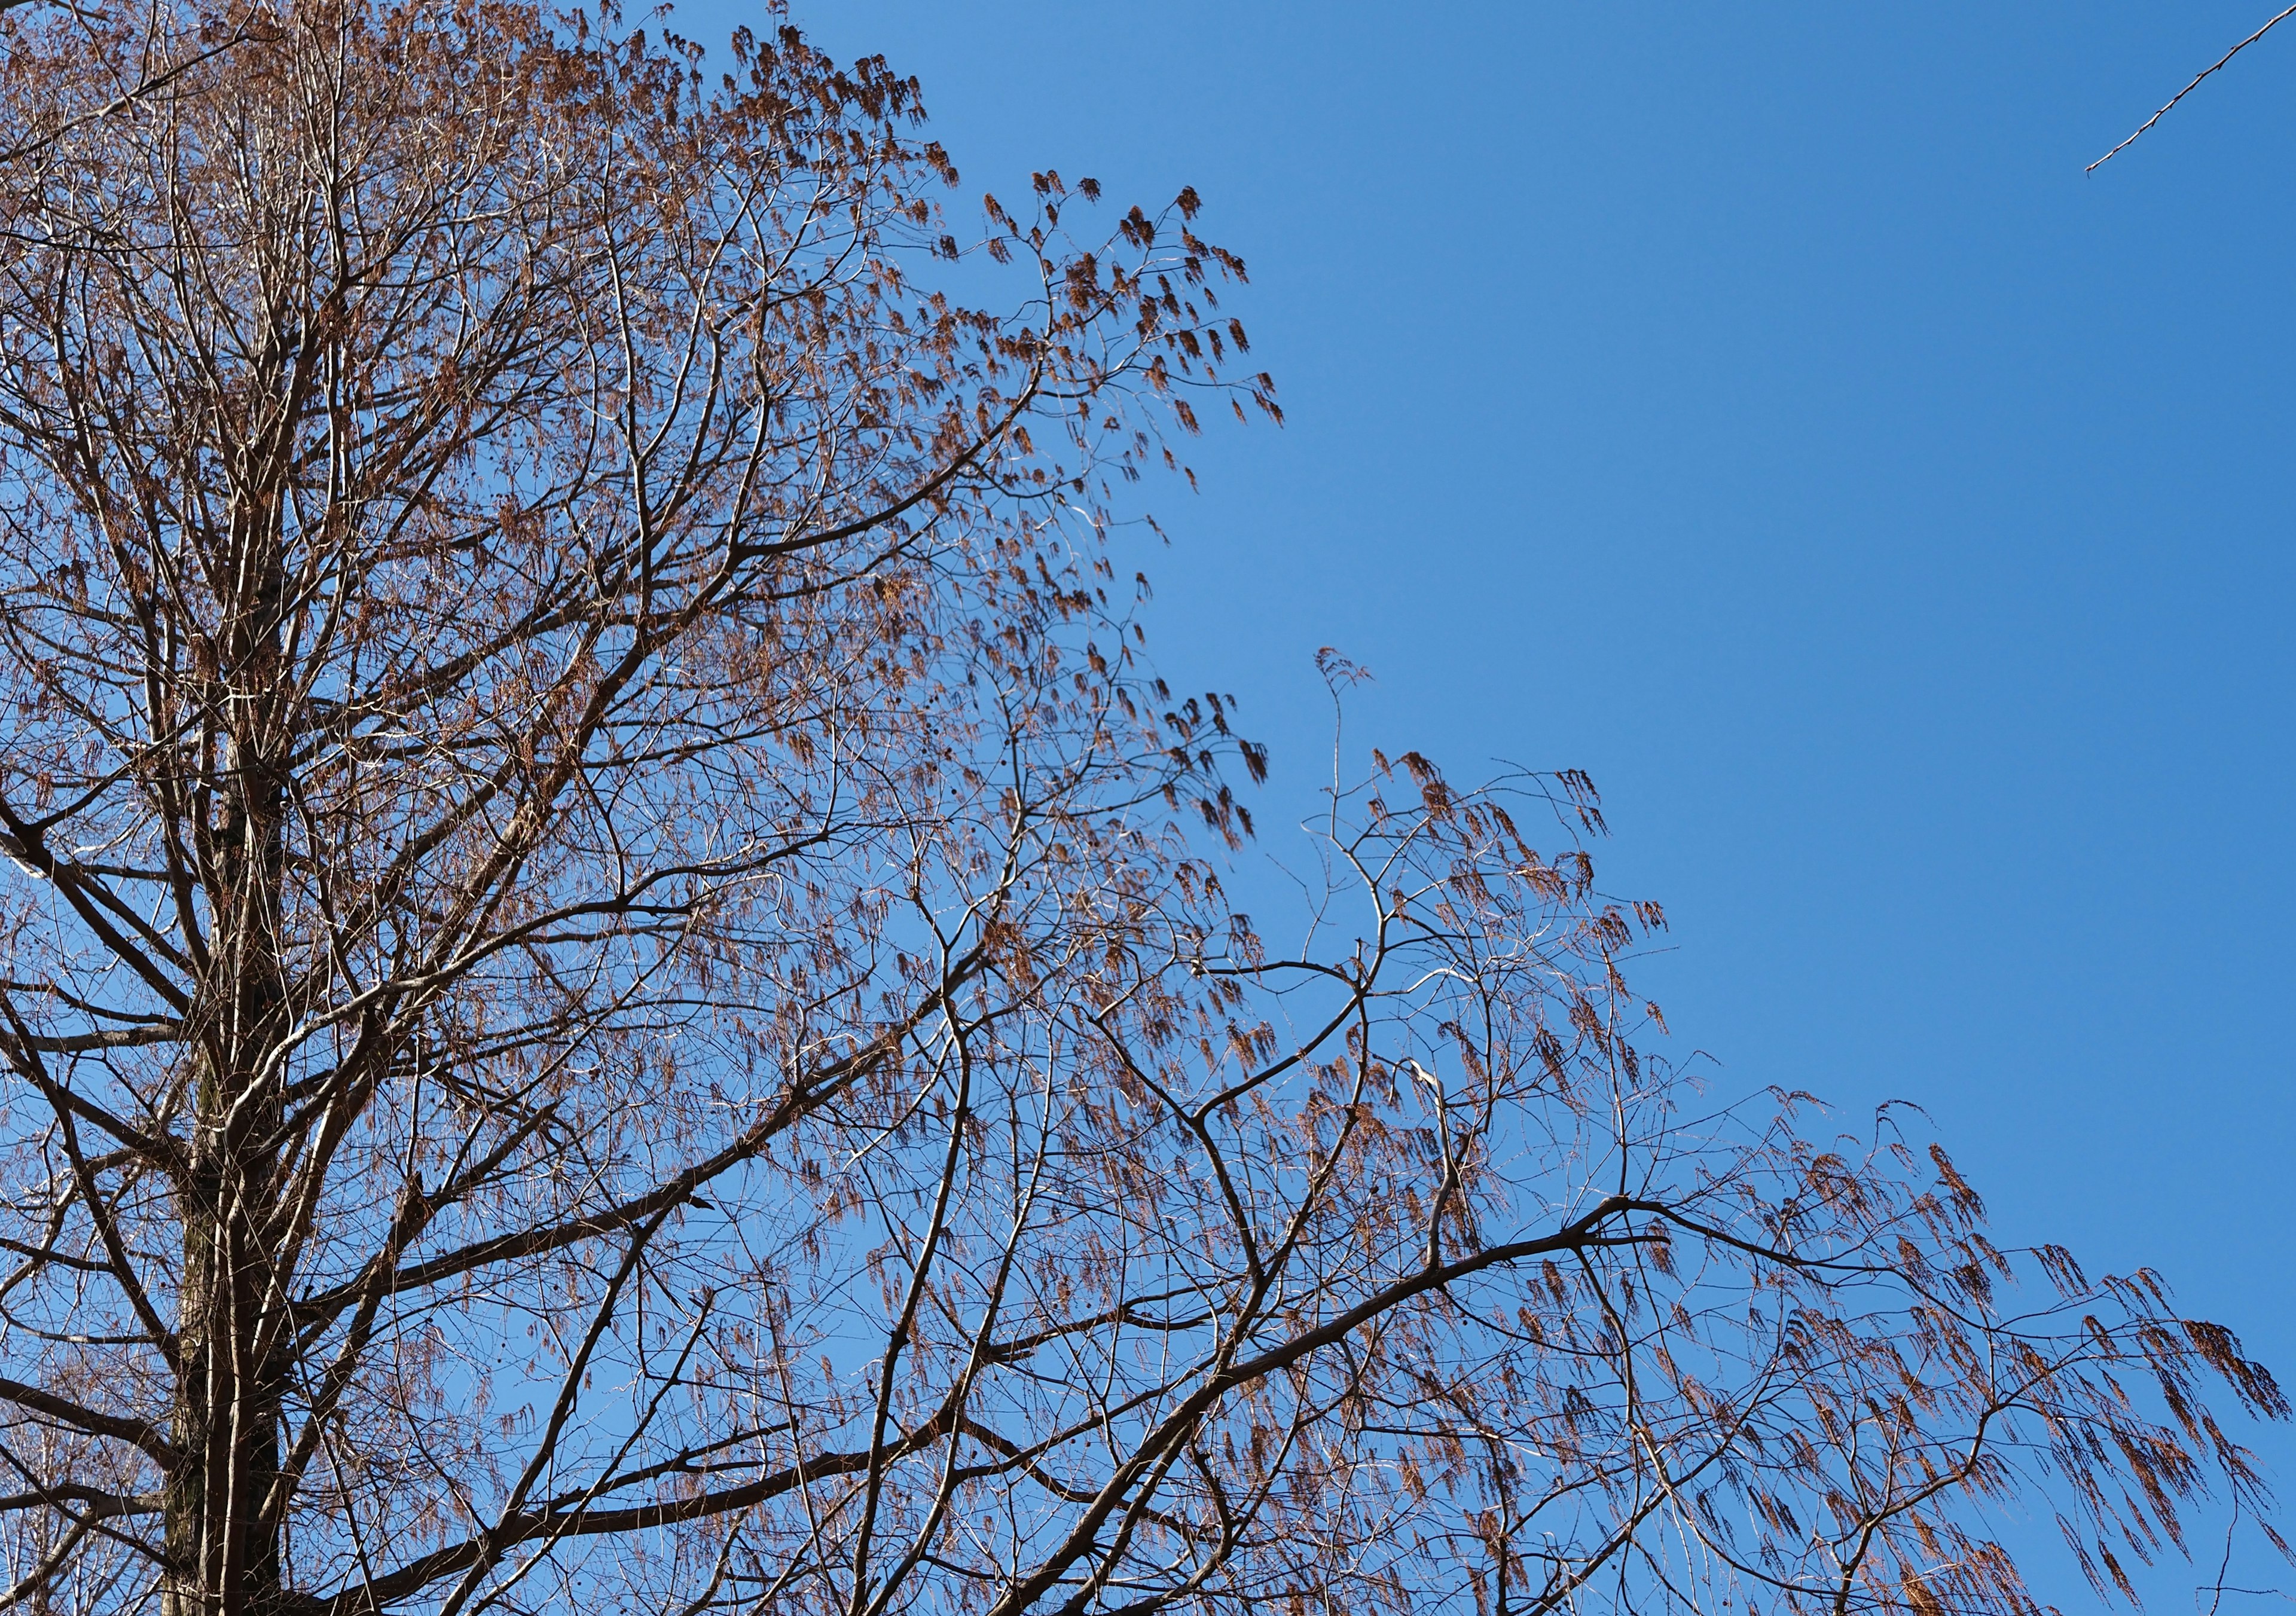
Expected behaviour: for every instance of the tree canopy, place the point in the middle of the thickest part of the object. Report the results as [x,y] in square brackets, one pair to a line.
[620,983]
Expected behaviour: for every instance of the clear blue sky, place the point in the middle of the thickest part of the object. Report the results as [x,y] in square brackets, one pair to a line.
[1757,406]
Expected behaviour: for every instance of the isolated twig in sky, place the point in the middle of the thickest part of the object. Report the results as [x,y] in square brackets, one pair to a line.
[2189,88]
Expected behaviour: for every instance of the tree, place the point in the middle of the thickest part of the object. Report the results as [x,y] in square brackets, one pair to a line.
[146,54]
[621,991]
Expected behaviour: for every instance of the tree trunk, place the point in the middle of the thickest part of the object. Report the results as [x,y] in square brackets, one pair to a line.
[223,1530]
[225,1555]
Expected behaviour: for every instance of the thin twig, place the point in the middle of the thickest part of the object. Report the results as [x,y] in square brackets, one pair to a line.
[2195,84]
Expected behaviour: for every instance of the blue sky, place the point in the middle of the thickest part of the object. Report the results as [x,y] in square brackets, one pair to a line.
[1759,408]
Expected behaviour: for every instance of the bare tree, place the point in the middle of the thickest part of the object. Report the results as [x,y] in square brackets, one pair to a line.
[619,993]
